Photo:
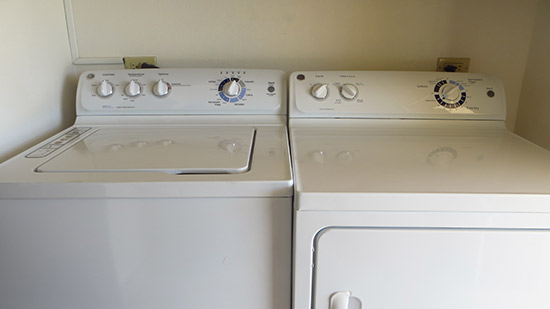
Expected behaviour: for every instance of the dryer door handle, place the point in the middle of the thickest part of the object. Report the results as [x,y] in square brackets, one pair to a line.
[340,300]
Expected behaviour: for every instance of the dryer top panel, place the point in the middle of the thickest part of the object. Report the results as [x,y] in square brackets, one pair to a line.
[357,156]
[413,95]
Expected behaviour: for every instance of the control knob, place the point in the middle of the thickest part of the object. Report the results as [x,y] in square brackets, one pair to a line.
[348,91]
[133,89]
[319,91]
[105,89]
[232,88]
[161,88]
[450,92]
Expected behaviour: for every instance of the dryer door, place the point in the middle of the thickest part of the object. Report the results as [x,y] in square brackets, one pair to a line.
[380,268]
[174,150]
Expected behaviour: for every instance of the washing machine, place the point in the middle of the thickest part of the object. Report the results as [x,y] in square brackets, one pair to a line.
[411,193]
[173,189]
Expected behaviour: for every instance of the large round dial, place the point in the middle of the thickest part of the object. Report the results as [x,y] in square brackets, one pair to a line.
[449,94]
[133,89]
[105,89]
[319,91]
[162,88]
[232,89]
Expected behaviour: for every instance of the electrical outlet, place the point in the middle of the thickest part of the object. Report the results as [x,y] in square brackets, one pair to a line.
[453,64]
[137,62]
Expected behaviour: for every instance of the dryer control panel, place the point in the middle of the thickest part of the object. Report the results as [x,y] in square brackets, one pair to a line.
[377,94]
[181,91]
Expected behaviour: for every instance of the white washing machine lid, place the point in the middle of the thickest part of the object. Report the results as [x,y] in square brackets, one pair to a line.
[189,150]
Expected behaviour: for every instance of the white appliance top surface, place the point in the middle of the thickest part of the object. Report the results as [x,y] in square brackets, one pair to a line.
[434,141]
[172,160]
[415,156]
[163,133]
[190,150]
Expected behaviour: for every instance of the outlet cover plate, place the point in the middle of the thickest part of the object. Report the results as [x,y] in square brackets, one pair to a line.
[453,64]
[136,62]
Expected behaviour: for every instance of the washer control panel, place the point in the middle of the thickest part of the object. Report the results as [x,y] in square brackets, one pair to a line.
[181,91]
[377,94]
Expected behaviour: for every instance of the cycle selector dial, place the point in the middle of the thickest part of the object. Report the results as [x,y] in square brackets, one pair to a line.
[449,94]
[105,89]
[319,91]
[348,91]
[162,88]
[132,89]
[232,90]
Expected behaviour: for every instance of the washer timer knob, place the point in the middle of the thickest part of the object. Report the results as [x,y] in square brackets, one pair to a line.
[161,88]
[232,88]
[348,91]
[133,89]
[319,91]
[105,89]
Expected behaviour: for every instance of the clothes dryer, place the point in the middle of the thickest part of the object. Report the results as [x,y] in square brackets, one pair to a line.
[172,189]
[411,193]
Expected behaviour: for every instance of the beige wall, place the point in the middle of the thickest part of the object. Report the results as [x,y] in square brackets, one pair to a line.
[38,83]
[533,121]
[35,73]
[314,34]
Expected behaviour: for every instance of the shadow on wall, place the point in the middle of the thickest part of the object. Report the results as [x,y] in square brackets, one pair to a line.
[534,107]
[67,110]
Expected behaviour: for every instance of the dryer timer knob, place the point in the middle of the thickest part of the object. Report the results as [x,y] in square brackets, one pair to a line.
[450,92]
[319,91]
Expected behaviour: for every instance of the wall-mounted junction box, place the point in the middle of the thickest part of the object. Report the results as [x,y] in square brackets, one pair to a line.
[453,64]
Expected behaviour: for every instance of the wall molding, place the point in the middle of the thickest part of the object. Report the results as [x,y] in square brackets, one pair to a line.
[73,42]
